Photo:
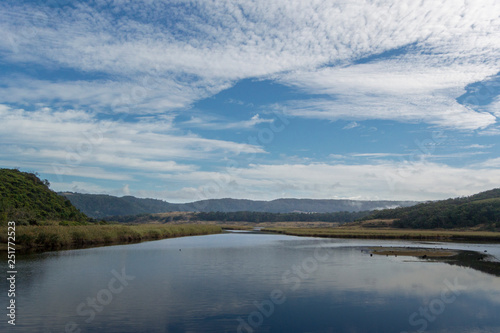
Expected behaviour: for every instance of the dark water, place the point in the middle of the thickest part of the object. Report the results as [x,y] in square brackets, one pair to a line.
[242,282]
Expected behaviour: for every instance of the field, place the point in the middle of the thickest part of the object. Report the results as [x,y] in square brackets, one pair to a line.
[52,237]
[376,230]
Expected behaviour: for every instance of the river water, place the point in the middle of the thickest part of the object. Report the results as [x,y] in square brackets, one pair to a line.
[246,282]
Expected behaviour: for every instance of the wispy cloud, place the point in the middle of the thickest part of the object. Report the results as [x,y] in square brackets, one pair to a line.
[203,51]
[76,140]
[407,90]
[86,187]
[478,146]
[213,123]
[493,163]
[378,155]
[145,94]
[351,125]
[70,72]
[491,131]
[401,180]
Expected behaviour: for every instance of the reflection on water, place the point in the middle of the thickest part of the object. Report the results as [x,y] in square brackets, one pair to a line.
[243,282]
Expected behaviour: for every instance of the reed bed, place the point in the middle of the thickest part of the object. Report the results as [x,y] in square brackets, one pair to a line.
[391,233]
[50,237]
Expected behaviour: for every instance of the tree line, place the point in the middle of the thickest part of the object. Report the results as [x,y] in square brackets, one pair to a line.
[463,212]
[256,217]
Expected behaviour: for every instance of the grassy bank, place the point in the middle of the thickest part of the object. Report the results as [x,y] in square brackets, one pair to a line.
[236,227]
[51,237]
[391,233]
[475,260]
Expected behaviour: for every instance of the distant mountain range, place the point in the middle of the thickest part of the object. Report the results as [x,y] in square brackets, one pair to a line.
[28,200]
[100,205]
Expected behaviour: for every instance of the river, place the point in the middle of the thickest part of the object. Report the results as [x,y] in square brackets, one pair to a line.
[252,282]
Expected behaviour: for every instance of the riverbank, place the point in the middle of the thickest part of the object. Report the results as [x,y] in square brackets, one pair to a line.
[391,233]
[56,237]
[475,260]
[413,252]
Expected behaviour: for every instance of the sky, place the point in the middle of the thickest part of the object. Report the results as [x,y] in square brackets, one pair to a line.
[189,100]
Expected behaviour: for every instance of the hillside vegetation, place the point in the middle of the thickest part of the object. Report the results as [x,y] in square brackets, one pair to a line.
[257,217]
[26,199]
[252,217]
[100,205]
[465,212]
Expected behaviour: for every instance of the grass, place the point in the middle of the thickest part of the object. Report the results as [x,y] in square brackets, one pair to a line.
[413,252]
[391,233]
[472,259]
[53,237]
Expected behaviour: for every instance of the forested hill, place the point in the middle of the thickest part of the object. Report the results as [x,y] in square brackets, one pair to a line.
[479,209]
[103,205]
[26,199]
[98,206]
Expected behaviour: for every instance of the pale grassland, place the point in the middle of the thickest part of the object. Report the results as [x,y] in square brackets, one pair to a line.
[391,233]
[56,236]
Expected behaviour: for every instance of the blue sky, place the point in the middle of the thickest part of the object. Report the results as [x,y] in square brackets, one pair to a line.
[189,100]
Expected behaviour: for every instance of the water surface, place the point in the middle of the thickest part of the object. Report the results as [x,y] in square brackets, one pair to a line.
[244,282]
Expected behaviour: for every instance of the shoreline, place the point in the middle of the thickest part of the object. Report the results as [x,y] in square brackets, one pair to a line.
[471,259]
[392,233]
[464,258]
[37,239]
[413,252]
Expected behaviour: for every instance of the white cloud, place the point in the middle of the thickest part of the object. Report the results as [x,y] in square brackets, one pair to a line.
[408,74]
[378,155]
[438,110]
[351,125]
[145,94]
[493,163]
[88,188]
[199,52]
[74,141]
[213,123]
[477,146]
[400,60]
[403,180]
[337,156]
[491,131]
[408,90]
[494,107]
[126,189]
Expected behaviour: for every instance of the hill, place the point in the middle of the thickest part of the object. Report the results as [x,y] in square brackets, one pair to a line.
[99,206]
[102,205]
[479,209]
[240,216]
[26,199]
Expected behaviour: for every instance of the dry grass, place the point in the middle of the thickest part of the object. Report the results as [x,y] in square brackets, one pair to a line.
[56,237]
[391,233]
[251,225]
